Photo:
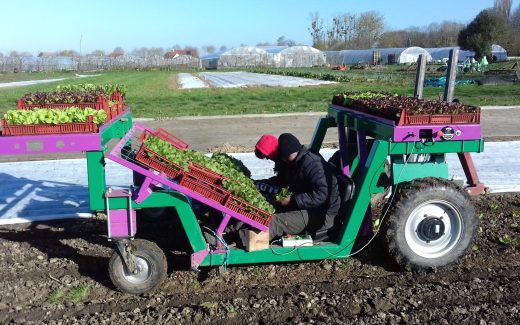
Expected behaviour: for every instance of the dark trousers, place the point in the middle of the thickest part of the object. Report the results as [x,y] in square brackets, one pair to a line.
[297,221]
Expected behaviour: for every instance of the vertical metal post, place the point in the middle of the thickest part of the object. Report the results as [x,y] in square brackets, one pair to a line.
[475,187]
[449,89]
[419,78]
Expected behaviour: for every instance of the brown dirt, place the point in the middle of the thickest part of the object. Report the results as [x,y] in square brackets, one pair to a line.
[38,259]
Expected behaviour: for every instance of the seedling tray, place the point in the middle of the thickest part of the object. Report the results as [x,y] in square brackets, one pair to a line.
[159,163]
[250,211]
[36,129]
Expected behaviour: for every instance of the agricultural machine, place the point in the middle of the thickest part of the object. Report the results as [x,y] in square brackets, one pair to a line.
[429,221]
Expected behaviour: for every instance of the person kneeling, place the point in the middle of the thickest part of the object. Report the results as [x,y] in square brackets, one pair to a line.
[315,203]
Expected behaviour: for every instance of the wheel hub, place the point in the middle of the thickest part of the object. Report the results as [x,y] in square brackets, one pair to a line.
[430,229]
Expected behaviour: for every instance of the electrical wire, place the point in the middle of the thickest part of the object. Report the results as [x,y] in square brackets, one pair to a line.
[225,263]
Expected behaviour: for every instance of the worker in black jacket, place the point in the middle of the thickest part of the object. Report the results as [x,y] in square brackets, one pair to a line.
[315,203]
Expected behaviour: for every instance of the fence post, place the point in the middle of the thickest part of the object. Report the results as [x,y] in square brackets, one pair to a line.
[449,89]
[419,78]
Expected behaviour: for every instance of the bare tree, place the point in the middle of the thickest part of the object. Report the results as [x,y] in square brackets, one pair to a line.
[97,53]
[504,7]
[223,48]
[369,29]
[317,31]
[70,53]
[156,51]
[209,49]
[283,41]
[118,51]
[514,25]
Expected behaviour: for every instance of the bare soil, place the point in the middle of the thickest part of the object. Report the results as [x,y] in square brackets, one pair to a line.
[40,261]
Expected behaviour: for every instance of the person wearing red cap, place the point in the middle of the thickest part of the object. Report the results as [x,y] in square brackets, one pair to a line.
[267,147]
[315,203]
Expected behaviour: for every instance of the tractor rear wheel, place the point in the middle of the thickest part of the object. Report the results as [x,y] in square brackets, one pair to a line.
[151,268]
[431,224]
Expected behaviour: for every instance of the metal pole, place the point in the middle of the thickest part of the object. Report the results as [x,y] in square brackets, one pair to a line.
[419,78]
[449,89]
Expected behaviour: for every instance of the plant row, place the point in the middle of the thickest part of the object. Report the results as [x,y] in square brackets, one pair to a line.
[54,116]
[107,89]
[320,75]
[236,177]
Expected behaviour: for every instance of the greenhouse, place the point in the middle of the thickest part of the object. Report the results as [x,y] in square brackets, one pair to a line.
[297,56]
[245,56]
[442,54]
[277,56]
[377,56]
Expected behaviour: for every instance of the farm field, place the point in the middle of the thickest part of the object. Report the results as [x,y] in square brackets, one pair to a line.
[155,94]
[56,273]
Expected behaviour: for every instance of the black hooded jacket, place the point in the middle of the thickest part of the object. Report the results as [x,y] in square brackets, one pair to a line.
[315,185]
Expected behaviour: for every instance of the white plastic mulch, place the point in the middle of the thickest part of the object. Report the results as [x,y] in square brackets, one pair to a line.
[188,81]
[56,189]
[245,79]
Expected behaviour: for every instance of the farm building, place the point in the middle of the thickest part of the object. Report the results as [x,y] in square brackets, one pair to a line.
[281,56]
[377,56]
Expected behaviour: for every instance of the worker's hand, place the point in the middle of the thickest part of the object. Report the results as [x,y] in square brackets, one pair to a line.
[285,201]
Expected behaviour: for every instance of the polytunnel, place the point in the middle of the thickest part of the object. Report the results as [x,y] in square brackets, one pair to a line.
[297,56]
[378,56]
[244,57]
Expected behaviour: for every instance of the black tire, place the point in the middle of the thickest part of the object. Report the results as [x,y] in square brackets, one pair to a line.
[152,268]
[430,225]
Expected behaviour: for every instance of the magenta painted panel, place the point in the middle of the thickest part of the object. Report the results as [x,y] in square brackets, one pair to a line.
[119,224]
[51,143]
[410,133]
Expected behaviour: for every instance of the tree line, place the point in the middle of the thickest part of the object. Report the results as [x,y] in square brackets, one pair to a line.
[497,25]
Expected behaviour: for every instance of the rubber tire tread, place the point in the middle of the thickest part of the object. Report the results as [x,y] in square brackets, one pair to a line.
[155,257]
[408,197]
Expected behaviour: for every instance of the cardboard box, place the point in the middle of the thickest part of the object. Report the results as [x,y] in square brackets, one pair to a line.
[256,240]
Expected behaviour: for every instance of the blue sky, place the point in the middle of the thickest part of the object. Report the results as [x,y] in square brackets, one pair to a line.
[32,25]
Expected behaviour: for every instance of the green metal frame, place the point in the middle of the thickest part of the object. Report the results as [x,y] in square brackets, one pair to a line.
[365,171]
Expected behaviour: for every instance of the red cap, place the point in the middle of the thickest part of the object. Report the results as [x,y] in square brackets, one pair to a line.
[268,145]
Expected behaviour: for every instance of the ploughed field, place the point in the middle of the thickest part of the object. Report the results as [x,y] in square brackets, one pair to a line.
[57,273]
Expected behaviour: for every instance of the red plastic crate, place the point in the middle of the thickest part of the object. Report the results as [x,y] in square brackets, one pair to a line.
[35,129]
[159,163]
[120,105]
[210,191]
[467,118]
[166,136]
[101,104]
[205,174]
[248,210]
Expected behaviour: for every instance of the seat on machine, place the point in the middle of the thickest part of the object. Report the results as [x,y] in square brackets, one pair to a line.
[346,192]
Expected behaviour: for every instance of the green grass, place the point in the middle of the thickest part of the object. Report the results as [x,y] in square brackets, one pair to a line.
[151,93]
[74,294]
